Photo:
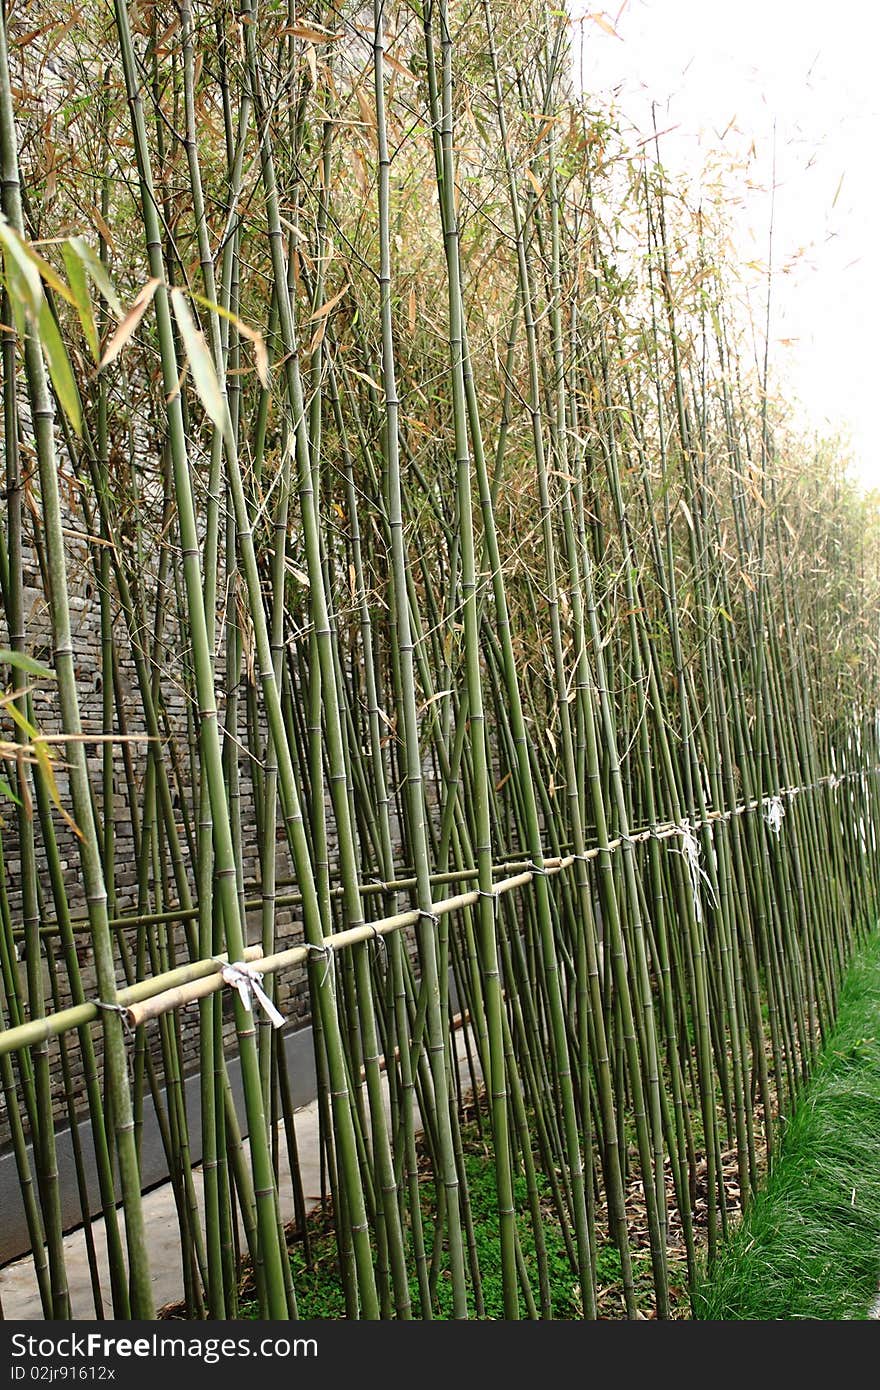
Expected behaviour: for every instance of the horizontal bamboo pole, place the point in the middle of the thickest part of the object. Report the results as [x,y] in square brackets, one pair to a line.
[173,988]
[284,960]
[190,914]
[41,1029]
[400,885]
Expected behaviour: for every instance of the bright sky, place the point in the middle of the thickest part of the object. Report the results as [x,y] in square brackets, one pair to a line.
[722,74]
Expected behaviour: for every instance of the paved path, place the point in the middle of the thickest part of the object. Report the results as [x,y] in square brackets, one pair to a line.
[18,1285]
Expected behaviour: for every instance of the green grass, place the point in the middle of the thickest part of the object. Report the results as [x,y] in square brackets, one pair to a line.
[809,1246]
[319,1292]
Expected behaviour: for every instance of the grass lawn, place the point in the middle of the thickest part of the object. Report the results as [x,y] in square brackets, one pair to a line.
[319,1292]
[809,1246]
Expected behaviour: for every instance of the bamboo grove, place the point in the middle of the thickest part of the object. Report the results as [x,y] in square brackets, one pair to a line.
[418,443]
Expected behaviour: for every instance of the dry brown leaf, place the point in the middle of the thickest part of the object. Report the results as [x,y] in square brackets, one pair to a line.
[129,324]
[399,68]
[302,31]
[538,187]
[330,304]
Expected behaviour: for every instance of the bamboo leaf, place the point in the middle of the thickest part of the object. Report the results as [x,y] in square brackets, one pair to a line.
[18,718]
[96,270]
[547,125]
[312,61]
[398,67]
[837,189]
[298,575]
[23,278]
[604,23]
[6,790]
[538,187]
[253,335]
[104,230]
[362,376]
[82,300]
[49,274]
[302,31]
[59,367]
[44,763]
[26,663]
[365,108]
[329,304]
[200,360]
[129,323]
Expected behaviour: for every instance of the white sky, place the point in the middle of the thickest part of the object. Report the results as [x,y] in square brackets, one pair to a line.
[721,74]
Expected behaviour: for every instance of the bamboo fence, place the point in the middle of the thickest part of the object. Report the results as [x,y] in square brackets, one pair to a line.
[430,470]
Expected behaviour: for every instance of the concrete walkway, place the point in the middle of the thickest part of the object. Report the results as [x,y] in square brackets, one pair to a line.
[18,1285]
[19,1294]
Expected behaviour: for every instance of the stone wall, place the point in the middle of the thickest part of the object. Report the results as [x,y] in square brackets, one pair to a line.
[168,941]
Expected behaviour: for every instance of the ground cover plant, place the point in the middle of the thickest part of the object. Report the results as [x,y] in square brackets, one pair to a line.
[809,1246]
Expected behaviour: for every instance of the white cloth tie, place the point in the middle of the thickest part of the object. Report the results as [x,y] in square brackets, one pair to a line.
[691,851]
[773,813]
[249,982]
